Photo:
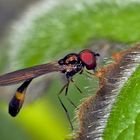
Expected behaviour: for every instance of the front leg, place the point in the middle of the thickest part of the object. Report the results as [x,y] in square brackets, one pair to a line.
[81,72]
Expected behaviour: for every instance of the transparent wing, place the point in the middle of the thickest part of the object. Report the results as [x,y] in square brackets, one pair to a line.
[29,73]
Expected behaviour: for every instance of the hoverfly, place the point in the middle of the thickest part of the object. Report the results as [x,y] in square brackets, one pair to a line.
[70,65]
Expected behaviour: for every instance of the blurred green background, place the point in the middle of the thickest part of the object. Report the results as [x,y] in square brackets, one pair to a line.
[36,32]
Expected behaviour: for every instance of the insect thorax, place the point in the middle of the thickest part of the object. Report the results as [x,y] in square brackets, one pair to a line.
[72,63]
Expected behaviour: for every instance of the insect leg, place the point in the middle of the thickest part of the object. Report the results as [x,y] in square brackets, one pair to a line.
[66,92]
[66,111]
[17,101]
[91,73]
[62,104]
[76,86]
[71,102]
[81,71]
[67,86]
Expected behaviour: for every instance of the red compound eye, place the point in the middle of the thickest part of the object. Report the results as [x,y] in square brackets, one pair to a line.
[88,58]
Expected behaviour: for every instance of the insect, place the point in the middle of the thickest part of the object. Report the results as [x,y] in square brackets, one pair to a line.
[70,65]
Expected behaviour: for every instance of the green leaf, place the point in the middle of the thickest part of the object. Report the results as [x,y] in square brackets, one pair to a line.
[67,26]
[113,113]
[123,120]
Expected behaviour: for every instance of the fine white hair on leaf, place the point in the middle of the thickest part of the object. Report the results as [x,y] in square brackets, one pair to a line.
[95,111]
